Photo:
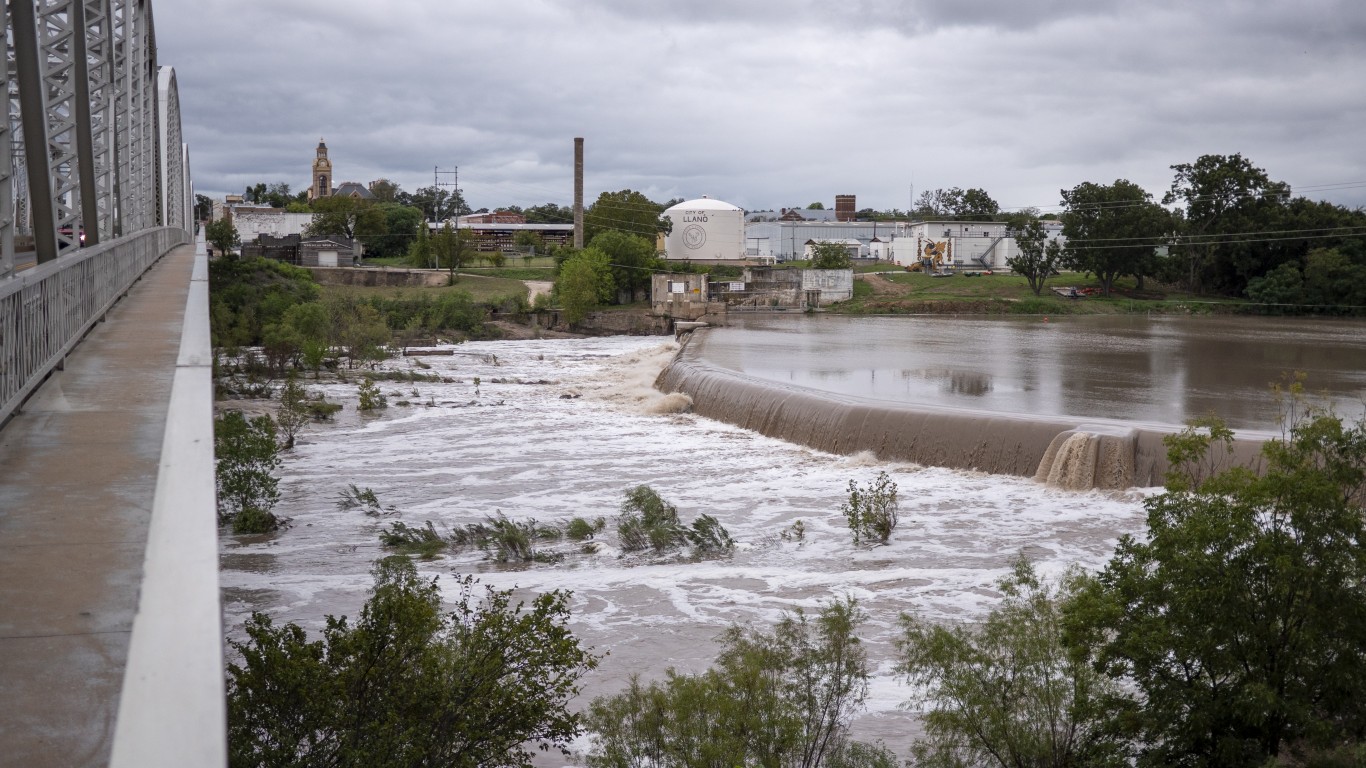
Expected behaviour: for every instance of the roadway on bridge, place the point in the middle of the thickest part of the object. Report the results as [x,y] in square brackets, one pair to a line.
[78,468]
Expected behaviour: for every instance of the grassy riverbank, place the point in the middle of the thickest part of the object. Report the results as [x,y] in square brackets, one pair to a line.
[916,293]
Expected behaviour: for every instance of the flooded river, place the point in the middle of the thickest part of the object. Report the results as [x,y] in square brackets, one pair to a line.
[1159,370]
[557,429]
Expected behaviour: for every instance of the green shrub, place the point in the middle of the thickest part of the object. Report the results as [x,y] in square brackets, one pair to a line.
[423,542]
[872,510]
[246,453]
[371,399]
[353,497]
[784,698]
[649,522]
[579,529]
[419,678]
[253,520]
[321,410]
[709,537]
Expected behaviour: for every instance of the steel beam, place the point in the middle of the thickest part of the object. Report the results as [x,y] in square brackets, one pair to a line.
[29,65]
[6,159]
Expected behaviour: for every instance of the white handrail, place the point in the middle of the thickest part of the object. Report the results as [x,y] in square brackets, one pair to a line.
[172,709]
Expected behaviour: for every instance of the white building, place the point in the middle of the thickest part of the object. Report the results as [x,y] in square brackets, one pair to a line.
[786,240]
[705,230]
[959,244]
[252,221]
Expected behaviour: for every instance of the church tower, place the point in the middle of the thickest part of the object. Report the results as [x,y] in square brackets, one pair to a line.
[322,174]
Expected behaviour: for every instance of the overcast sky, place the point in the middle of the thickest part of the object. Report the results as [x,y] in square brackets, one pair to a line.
[769,103]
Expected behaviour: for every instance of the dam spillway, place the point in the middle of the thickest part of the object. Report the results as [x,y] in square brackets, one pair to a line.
[1079,402]
[1064,453]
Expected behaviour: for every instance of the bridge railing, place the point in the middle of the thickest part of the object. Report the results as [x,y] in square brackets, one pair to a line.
[46,310]
[172,708]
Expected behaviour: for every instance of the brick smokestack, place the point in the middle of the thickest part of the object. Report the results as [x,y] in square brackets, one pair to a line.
[578,192]
[845,208]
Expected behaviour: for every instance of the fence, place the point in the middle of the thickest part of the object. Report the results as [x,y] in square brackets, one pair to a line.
[46,310]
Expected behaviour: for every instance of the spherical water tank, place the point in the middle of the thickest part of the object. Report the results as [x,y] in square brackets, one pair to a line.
[705,229]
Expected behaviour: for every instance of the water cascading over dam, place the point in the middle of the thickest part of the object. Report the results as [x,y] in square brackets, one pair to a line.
[1073,454]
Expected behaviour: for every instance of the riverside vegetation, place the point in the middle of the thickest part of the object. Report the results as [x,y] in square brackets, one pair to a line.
[1232,634]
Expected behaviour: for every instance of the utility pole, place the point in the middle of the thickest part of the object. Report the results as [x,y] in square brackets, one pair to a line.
[452,181]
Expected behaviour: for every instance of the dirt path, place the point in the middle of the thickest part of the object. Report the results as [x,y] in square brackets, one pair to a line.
[882,286]
[536,288]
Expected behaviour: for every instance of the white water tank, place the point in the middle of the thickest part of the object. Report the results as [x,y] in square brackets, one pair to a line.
[705,229]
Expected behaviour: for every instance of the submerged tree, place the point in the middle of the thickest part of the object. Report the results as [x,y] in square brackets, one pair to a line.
[246,454]
[781,698]
[1006,692]
[407,684]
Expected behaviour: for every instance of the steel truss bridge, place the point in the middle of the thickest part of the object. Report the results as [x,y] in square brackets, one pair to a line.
[95,196]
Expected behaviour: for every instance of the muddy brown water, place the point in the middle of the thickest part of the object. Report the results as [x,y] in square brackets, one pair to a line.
[1152,369]
[1079,402]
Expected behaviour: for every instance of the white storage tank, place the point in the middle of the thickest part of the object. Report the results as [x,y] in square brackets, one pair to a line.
[705,229]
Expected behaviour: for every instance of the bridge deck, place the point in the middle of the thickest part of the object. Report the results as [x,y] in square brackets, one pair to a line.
[78,467]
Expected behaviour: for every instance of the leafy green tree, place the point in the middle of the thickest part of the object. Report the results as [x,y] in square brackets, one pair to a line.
[532,242]
[1223,198]
[828,255]
[872,510]
[203,207]
[1240,618]
[648,521]
[633,260]
[222,235]
[977,204]
[1006,692]
[420,250]
[956,203]
[408,685]
[1283,285]
[401,224]
[349,217]
[625,211]
[292,414]
[371,398]
[550,213]
[816,206]
[386,191]
[1113,230]
[585,281]
[246,453]
[436,203]
[1332,283]
[247,296]
[359,330]
[452,248]
[1038,257]
[782,699]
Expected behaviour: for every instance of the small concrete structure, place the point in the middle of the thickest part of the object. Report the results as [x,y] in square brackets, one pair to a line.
[828,285]
[781,289]
[683,296]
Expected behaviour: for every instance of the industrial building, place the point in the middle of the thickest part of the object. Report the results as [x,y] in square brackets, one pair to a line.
[951,245]
[705,230]
[786,240]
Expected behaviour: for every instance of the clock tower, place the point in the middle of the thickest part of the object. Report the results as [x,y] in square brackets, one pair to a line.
[322,175]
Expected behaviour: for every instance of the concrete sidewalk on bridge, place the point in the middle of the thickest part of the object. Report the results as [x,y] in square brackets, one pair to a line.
[78,469]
